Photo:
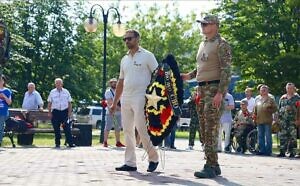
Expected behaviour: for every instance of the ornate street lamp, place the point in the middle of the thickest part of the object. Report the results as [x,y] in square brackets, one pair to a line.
[91,25]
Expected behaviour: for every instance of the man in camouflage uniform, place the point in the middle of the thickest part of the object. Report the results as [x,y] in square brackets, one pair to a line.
[213,76]
[194,123]
[289,108]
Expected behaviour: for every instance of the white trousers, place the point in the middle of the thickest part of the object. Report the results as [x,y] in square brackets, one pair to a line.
[226,127]
[133,116]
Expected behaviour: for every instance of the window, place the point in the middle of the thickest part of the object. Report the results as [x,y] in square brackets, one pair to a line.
[96,112]
[84,111]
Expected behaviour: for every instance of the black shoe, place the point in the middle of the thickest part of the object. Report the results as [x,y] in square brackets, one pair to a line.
[281,154]
[57,146]
[292,155]
[172,147]
[260,153]
[71,145]
[126,168]
[152,166]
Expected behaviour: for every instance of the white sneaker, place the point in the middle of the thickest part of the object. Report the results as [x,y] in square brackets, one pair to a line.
[190,148]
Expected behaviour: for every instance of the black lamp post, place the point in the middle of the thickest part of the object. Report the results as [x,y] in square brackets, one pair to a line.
[119,30]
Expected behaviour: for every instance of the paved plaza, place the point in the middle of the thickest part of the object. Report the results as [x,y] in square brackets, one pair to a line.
[96,166]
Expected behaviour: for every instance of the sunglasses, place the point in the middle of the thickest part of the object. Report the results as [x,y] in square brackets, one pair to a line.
[128,38]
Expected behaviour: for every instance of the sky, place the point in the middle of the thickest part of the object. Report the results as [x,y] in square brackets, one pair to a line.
[184,6]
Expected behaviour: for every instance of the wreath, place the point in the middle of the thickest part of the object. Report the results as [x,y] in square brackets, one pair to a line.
[164,98]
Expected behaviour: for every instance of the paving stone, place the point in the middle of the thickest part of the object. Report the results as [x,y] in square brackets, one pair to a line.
[47,166]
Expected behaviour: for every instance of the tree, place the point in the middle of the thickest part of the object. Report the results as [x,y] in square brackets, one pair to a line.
[265,36]
[48,41]
[43,47]
[166,32]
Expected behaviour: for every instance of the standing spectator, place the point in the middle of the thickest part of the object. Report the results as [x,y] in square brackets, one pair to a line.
[170,139]
[264,108]
[289,106]
[250,100]
[60,110]
[112,119]
[213,76]
[135,75]
[226,123]
[194,123]
[5,101]
[32,99]
[259,96]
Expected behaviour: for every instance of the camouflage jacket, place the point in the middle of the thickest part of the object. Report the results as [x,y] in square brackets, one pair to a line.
[289,108]
[242,118]
[224,55]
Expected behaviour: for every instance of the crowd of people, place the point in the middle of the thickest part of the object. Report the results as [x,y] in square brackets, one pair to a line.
[59,106]
[210,105]
[261,112]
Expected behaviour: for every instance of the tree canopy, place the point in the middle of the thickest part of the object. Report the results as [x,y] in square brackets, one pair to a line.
[49,41]
[265,37]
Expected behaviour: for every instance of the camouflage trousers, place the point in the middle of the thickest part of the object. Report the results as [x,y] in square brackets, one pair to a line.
[194,127]
[209,117]
[288,136]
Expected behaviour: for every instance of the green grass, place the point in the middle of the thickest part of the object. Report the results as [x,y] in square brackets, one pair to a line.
[47,140]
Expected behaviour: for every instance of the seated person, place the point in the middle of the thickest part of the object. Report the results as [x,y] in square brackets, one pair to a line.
[243,124]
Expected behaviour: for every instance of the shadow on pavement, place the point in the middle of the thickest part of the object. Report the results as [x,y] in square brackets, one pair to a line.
[156,179]
[224,181]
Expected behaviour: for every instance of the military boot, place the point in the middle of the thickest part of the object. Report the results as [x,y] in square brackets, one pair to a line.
[207,172]
[217,170]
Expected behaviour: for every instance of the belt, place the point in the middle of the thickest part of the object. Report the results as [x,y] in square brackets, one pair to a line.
[203,83]
[60,110]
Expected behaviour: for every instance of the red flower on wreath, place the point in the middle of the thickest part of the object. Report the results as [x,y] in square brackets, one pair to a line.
[161,72]
[297,103]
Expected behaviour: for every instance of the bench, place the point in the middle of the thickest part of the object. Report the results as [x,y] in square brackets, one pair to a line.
[74,131]
[35,115]
[82,132]
[26,138]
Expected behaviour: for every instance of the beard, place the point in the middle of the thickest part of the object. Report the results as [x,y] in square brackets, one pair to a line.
[129,46]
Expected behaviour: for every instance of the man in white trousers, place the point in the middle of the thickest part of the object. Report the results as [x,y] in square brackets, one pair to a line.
[226,123]
[135,75]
